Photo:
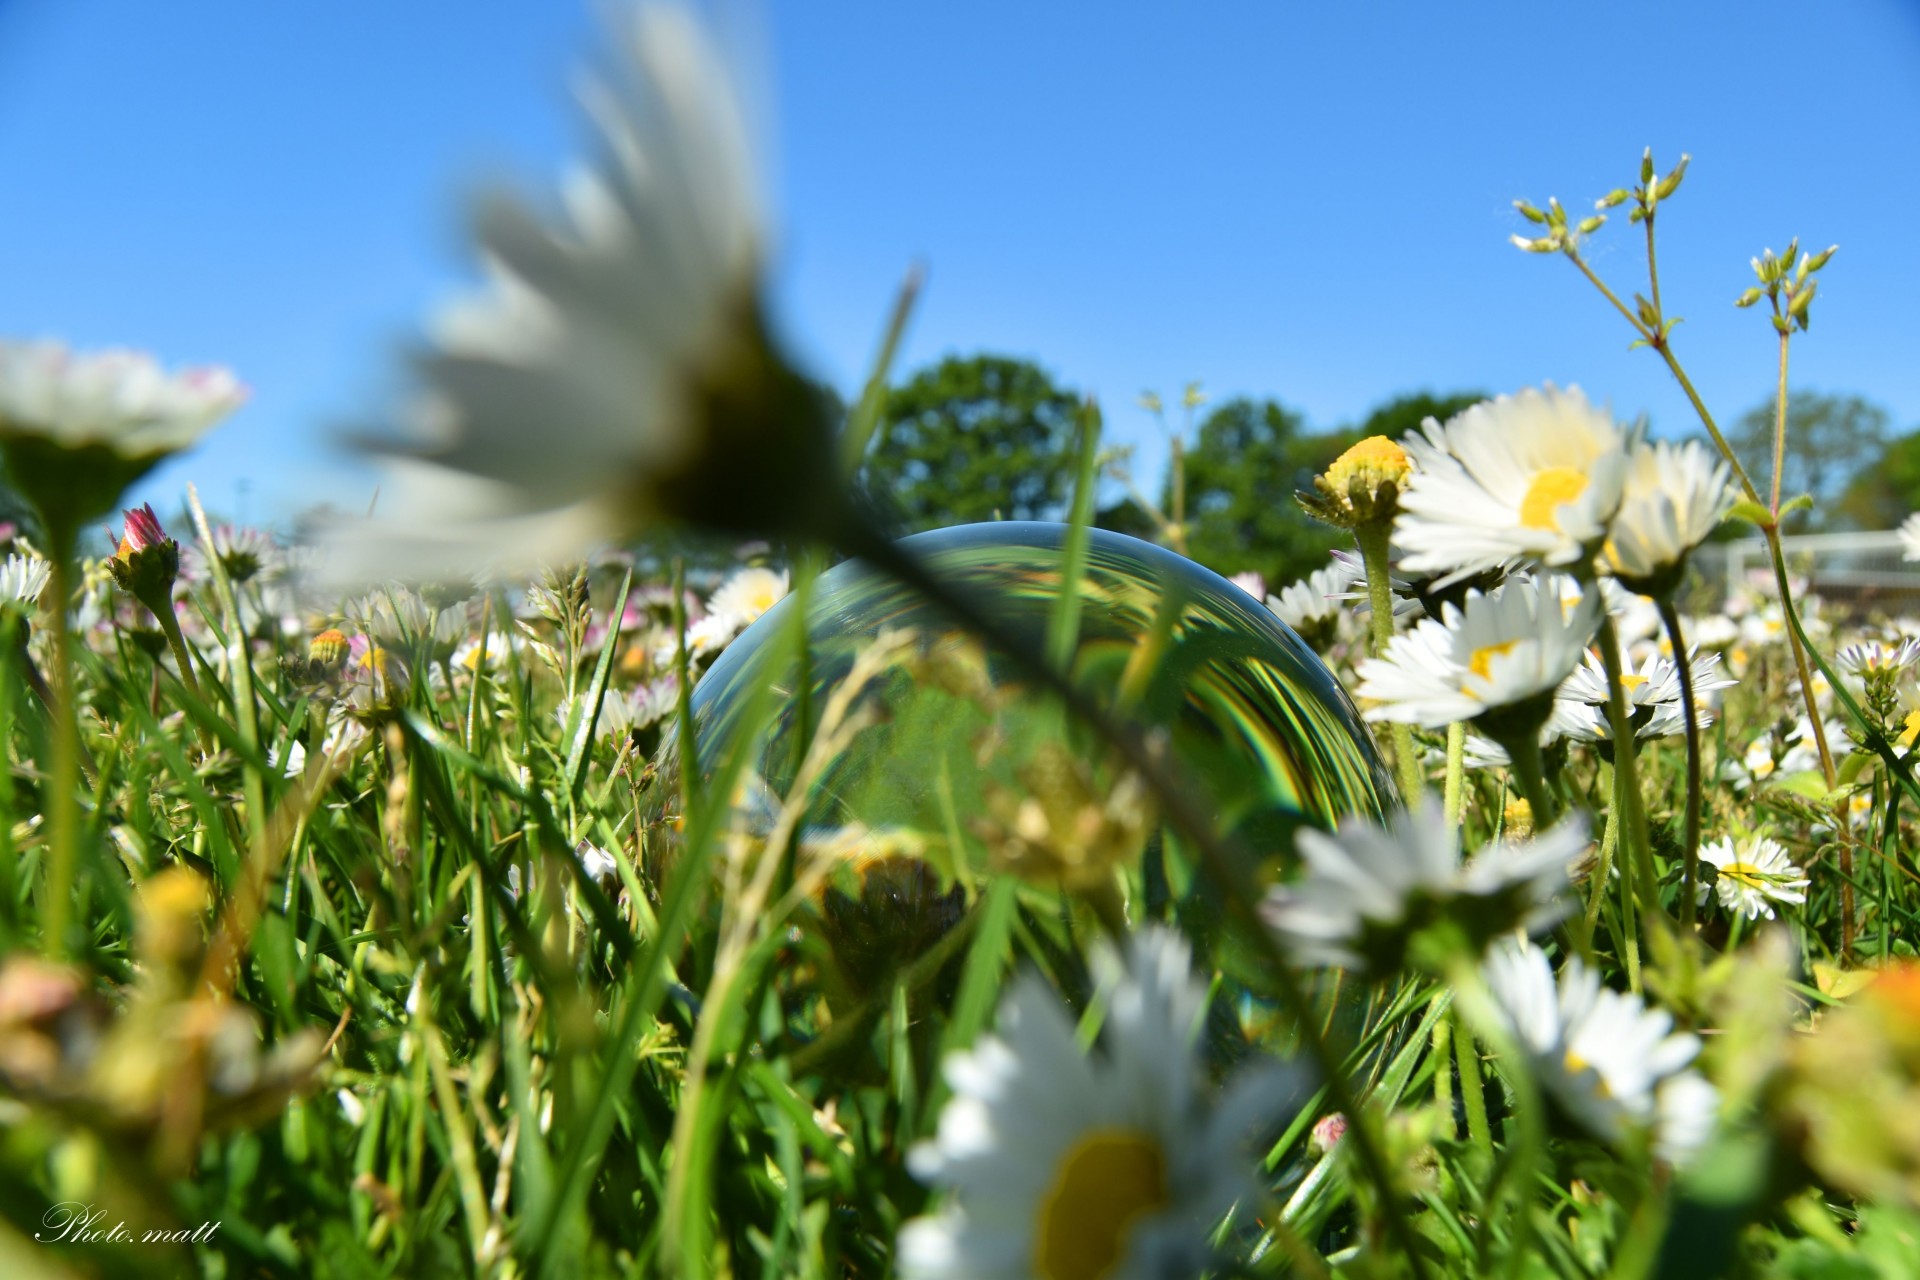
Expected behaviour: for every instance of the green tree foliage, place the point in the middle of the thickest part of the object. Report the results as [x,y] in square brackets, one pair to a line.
[1248,460]
[1830,440]
[975,438]
[1887,490]
[1242,469]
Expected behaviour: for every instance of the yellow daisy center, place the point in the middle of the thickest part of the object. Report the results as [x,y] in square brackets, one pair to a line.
[1551,488]
[1575,1064]
[1628,680]
[1745,873]
[1911,729]
[1109,1178]
[1481,663]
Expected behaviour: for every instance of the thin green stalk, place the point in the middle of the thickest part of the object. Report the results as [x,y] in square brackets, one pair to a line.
[1603,869]
[1473,1089]
[1374,542]
[1451,795]
[1626,775]
[1690,845]
[60,801]
[1524,751]
[1780,421]
[1443,1072]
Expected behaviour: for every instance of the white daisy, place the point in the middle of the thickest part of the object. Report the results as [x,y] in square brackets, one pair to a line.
[624,712]
[1606,1057]
[1368,890]
[1871,658]
[245,553]
[620,370]
[1654,704]
[1515,644]
[1752,880]
[76,430]
[741,600]
[1539,475]
[1674,496]
[399,618]
[1910,536]
[1063,1164]
[23,578]
[119,399]
[1315,605]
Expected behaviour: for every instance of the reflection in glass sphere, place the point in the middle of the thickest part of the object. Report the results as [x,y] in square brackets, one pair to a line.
[1253,720]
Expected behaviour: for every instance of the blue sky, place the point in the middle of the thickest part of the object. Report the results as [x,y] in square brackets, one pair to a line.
[1305,201]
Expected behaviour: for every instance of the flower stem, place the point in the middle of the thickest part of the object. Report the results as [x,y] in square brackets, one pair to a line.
[1690,845]
[1603,869]
[1473,1088]
[1451,795]
[1524,751]
[1626,775]
[62,805]
[1374,540]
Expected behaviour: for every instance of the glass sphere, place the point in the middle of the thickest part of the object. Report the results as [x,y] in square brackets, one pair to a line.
[1255,724]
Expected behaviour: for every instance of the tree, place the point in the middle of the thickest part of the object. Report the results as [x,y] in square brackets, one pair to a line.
[1830,440]
[1887,490]
[1404,414]
[975,438]
[1248,460]
[1242,470]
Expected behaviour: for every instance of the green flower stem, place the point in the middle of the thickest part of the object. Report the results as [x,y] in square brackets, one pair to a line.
[1525,1133]
[177,644]
[1223,860]
[1639,849]
[1374,540]
[1473,1089]
[1629,917]
[1524,751]
[1690,846]
[1443,1071]
[1603,869]
[1451,796]
[61,802]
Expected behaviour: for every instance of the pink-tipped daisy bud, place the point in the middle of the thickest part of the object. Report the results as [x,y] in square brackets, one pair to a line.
[1327,1131]
[147,563]
[142,529]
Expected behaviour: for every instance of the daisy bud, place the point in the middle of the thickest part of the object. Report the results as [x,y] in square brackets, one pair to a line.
[1362,487]
[1327,1132]
[328,650]
[148,562]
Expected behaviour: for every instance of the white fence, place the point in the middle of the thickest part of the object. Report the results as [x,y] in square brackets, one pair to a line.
[1835,565]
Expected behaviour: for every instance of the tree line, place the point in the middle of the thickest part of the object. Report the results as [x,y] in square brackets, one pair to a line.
[984,437]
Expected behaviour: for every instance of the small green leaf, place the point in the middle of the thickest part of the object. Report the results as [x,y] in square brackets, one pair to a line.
[1750,511]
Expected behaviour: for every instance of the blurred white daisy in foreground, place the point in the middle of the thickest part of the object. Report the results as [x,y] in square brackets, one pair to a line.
[1752,879]
[620,371]
[1512,646]
[1675,496]
[1538,474]
[23,578]
[1910,536]
[1654,705]
[1609,1060]
[1067,1165]
[1369,891]
[76,430]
